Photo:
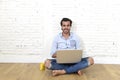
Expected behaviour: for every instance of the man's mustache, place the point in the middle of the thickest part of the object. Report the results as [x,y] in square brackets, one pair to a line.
[65,29]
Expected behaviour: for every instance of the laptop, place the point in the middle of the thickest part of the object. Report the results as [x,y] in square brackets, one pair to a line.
[69,56]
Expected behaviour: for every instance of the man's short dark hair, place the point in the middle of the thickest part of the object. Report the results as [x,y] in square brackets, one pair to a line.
[66,19]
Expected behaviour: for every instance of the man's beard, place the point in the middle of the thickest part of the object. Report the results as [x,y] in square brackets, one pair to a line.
[66,31]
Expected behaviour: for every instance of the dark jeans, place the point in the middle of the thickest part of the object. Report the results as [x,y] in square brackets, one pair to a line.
[70,68]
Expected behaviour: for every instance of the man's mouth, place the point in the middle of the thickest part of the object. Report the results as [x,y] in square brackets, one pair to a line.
[65,29]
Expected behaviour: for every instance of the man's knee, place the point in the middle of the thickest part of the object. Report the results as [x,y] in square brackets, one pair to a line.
[91,60]
[47,63]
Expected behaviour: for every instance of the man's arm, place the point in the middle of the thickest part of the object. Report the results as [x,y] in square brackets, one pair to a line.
[54,55]
[79,44]
[54,48]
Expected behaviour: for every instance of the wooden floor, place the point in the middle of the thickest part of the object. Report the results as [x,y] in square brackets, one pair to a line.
[31,72]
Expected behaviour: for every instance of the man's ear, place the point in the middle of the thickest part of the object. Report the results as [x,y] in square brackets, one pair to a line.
[61,28]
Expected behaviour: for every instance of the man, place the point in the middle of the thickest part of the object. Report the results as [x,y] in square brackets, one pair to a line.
[66,40]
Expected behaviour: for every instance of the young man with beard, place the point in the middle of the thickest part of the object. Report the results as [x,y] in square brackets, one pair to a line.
[66,40]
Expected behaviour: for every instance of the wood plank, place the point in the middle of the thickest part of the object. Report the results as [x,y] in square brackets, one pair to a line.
[30,71]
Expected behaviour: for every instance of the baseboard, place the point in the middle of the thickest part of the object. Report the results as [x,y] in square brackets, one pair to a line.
[39,58]
[107,60]
[21,59]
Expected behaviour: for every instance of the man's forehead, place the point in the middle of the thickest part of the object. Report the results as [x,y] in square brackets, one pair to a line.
[66,22]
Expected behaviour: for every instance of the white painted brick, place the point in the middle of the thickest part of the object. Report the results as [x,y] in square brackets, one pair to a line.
[27,28]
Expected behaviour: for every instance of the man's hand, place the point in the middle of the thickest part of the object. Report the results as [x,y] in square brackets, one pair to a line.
[54,55]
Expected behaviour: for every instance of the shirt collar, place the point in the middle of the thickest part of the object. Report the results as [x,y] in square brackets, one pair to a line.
[71,35]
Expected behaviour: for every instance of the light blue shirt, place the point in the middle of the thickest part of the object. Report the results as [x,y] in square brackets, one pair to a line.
[60,43]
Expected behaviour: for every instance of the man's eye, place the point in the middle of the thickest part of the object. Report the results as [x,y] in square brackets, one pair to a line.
[66,25]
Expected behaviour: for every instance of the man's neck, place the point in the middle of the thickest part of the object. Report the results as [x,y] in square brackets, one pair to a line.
[66,36]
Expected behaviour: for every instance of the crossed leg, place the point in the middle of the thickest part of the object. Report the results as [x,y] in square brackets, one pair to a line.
[47,63]
[91,62]
[60,72]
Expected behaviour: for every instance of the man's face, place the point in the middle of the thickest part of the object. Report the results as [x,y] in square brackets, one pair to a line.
[66,27]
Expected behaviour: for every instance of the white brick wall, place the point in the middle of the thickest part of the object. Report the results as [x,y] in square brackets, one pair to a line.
[27,28]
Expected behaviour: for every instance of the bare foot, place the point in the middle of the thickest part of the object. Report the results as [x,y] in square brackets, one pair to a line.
[79,73]
[91,61]
[47,63]
[58,72]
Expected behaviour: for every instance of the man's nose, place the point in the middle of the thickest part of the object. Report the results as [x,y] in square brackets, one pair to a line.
[66,26]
